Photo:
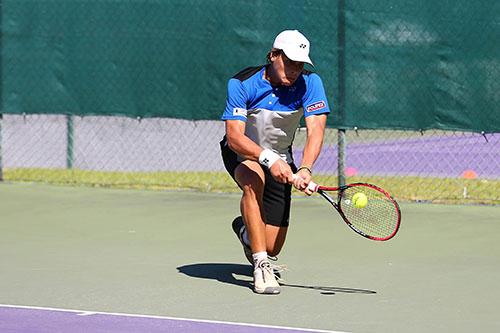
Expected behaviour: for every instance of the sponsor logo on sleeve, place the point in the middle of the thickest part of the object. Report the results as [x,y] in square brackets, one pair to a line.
[239,112]
[315,106]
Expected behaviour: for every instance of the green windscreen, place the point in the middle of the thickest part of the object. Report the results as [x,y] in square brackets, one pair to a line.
[385,64]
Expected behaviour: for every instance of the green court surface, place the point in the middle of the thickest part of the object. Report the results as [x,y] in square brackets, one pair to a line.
[174,254]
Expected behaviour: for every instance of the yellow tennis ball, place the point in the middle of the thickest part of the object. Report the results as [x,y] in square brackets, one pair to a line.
[359,200]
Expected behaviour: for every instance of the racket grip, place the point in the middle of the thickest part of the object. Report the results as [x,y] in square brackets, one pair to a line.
[312,186]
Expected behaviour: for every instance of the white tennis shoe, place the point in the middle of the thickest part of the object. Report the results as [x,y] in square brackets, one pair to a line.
[264,279]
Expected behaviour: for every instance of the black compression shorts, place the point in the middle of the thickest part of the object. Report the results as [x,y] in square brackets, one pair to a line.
[277,196]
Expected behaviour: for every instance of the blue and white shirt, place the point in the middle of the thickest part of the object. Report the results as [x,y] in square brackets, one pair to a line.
[272,114]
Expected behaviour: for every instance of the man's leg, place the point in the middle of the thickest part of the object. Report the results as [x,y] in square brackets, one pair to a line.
[250,177]
[275,239]
[276,203]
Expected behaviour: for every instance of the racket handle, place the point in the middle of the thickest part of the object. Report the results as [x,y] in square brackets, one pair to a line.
[312,186]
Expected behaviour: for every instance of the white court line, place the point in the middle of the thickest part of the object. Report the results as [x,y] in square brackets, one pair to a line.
[89,313]
[85,313]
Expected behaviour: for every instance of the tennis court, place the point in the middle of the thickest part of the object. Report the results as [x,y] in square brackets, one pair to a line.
[95,259]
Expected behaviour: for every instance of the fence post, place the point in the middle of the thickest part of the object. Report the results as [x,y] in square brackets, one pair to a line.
[69,142]
[1,164]
[341,157]
[341,90]
[1,87]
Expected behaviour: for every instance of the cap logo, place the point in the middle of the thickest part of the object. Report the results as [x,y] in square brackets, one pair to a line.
[302,46]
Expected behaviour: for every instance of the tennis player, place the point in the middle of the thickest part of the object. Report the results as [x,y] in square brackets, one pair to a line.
[263,110]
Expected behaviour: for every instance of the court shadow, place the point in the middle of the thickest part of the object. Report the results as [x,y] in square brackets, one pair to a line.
[225,273]
[220,272]
[331,290]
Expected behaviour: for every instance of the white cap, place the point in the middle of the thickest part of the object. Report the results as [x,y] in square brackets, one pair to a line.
[294,44]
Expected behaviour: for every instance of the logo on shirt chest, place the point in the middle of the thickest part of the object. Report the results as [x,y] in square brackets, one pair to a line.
[315,106]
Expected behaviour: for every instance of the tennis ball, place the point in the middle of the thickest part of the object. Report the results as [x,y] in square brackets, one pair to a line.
[359,200]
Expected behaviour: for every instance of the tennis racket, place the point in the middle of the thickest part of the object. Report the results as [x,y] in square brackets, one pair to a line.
[373,214]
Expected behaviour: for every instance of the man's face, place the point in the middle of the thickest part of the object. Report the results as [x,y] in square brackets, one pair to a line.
[286,71]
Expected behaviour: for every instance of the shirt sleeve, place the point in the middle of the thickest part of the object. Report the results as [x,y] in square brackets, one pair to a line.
[314,100]
[236,103]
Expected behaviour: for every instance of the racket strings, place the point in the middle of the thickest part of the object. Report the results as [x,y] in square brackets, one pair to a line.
[379,218]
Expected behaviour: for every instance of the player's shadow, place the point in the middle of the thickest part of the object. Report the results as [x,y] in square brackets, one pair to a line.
[220,272]
[226,273]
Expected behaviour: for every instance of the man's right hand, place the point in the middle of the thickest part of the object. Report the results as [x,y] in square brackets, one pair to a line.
[281,172]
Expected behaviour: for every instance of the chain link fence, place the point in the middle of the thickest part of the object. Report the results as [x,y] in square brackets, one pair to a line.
[163,153]
[76,74]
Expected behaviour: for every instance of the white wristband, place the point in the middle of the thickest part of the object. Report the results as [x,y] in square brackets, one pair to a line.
[268,157]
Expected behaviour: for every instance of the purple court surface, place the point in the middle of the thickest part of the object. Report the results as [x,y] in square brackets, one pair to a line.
[437,156]
[28,319]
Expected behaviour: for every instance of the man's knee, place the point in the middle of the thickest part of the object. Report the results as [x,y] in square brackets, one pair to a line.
[250,179]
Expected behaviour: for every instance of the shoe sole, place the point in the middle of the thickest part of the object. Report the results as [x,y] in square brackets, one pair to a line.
[268,291]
